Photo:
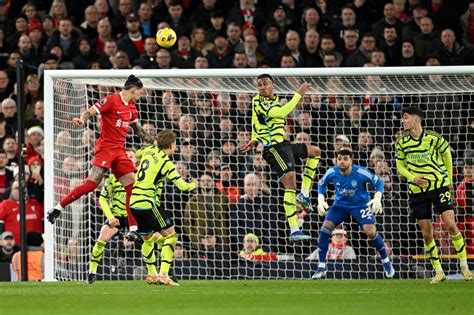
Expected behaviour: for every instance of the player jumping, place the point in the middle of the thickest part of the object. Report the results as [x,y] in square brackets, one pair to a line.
[268,127]
[118,112]
[352,199]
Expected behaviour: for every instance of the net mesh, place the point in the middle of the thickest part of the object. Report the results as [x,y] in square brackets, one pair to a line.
[211,117]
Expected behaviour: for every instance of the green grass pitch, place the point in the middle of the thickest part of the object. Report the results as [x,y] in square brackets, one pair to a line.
[401,297]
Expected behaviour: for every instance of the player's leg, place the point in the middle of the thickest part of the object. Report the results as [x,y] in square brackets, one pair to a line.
[289,204]
[148,253]
[168,239]
[95,177]
[323,244]
[106,233]
[313,157]
[377,240]
[127,182]
[426,226]
[458,242]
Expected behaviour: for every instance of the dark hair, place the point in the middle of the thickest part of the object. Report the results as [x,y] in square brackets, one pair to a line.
[133,82]
[164,139]
[2,151]
[345,152]
[414,110]
[50,56]
[265,75]
[34,239]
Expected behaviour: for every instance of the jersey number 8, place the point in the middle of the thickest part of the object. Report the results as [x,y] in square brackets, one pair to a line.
[141,172]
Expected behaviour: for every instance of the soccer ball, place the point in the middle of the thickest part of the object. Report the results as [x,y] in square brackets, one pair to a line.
[166,37]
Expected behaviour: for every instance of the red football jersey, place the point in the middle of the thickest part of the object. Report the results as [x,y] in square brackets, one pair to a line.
[116,117]
[10,214]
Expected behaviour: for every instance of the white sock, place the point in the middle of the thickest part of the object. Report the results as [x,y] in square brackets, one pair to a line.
[322,265]
[305,192]
[59,207]
[294,228]
[386,260]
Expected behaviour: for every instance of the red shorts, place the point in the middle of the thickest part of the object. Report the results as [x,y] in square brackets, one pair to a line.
[113,157]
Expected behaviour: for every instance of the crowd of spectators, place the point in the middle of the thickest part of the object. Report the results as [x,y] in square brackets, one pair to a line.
[237,194]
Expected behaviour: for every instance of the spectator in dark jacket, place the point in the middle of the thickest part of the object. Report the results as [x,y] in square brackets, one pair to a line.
[362,55]
[66,38]
[450,52]
[427,40]
[132,41]
[86,55]
[183,57]
[222,54]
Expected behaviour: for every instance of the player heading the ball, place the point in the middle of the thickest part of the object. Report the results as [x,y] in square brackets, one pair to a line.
[118,112]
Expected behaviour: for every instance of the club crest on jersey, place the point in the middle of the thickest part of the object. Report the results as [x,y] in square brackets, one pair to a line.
[354,183]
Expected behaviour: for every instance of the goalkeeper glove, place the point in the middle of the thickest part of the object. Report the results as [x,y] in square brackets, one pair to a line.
[322,205]
[376,204]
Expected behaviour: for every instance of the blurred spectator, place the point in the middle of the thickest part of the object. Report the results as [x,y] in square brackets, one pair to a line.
[121,60]
[10,147]
[427,40]
[445,16]
[450,52]
[206,216]
[29,11]
[351,37]
[201,15]
[348,21]
[311,21]
[365,144]
[6,175]
[5,87]
[7,247]
[103,8]
[199,40]
[163,59]
[246,12]
[389,19]
[413,27]
[362,55]
[253,251]
[28,53]
[465,190]
[222,54]
[147,24]
[104,31]
[278,18]
[65,37]
[201,62]
[21,28]
[228,183]
[58,12]
[292,48]
[256,212]
[9,112]
[400,11]
[110,49]
[10,67]
[391,46]
[309,51]
[218,25]
[240,60]
[118,22]
[4,131]
[339,249]
[38,39]
[132,41]
[408,57]
[180,253]
[48,26]
[176,19]
[35,253]
[288,61]
[234,37]
[9,213]
[254,57]
[377,58]
[270,45]
[467,23]
[184,56]
[91,22]
[86,55]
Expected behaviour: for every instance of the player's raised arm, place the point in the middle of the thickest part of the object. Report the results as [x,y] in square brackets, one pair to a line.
[78,122]
[283,111]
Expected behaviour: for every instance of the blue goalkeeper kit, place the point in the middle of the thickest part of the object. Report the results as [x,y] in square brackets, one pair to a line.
[352,194]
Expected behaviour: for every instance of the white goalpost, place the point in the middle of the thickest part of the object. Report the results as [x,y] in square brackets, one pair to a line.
[210,112]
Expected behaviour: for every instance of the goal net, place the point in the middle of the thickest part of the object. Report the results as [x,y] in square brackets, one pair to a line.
[210,112]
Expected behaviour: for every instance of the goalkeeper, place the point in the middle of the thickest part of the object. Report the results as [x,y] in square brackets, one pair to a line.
[352,198]
[155,167]
[112,202]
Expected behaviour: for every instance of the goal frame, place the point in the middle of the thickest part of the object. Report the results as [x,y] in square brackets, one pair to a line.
[49,136]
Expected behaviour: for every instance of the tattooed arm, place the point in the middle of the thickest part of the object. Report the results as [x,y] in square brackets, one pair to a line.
[137,128]
[91,111]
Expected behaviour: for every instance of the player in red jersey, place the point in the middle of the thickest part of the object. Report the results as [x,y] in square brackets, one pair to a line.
[118,112]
